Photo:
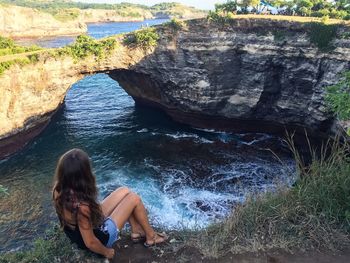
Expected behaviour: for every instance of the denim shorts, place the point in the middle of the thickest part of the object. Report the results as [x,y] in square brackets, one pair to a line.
[112,230]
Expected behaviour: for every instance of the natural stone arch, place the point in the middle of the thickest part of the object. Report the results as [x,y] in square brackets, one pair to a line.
[203,75]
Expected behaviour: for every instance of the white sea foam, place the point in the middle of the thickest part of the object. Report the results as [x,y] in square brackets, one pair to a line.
[142,130]
[175,199]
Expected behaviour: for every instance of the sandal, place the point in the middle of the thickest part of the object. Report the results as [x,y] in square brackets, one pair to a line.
[154,242]
[137,237]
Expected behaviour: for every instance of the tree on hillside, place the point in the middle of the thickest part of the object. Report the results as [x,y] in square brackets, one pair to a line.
[304,7]
[252,3]
[229,6]
[343,5]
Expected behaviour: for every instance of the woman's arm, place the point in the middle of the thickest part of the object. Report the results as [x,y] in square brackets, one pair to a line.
[90,240]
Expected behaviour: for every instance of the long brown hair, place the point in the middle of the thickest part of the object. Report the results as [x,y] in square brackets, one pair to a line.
[75,183]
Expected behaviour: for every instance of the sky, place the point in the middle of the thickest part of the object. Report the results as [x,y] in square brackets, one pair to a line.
[201,4]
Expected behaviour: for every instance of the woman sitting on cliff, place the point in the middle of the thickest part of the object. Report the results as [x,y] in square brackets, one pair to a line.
[90,224]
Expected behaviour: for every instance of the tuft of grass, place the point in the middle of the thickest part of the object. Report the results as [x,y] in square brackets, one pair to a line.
[145,38]
[3,190]
[313,214]
[322,35]
[345,35]
[21,61]
[7,64]
[338,97]
[279,35]
[53,247]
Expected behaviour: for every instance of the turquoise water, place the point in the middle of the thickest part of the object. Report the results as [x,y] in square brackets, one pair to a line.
[187,177]
[96,30]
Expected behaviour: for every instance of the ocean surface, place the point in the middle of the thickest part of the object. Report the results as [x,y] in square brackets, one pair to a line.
[188,178]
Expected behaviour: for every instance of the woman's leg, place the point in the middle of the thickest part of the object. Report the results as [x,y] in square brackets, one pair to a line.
[110,203]
[137,231]
[132,205]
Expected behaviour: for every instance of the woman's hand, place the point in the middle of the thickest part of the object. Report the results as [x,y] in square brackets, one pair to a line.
[110,253]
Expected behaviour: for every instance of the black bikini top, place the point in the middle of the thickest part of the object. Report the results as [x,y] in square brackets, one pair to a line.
[73,232]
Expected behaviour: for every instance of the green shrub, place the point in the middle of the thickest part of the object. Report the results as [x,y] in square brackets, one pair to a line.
[337,14]
[325,19]
[217,18]
[345,35]
[321,13]
[6,42]
[279,35]
[175,24]
[9,47]
[30,59]
[3,190]
[6,65]
[85,46]
[322,35]
[338,97]
[147,37]
[33,58]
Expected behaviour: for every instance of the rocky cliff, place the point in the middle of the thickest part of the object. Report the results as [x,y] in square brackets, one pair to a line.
[251,75]
[238,77]
[16,21]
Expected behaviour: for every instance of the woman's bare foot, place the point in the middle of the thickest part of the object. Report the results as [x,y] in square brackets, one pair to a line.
[157,239]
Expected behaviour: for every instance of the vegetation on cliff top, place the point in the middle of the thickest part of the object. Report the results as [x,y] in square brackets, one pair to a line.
[8,47]
[322,35]
[145,38]
[85,46]
[316,8]
[175,24]
[28,59]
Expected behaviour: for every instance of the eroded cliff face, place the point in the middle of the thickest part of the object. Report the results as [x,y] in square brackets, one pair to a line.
[239,77]
[16,21]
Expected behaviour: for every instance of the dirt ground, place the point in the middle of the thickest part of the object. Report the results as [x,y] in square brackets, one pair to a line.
[128,252]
